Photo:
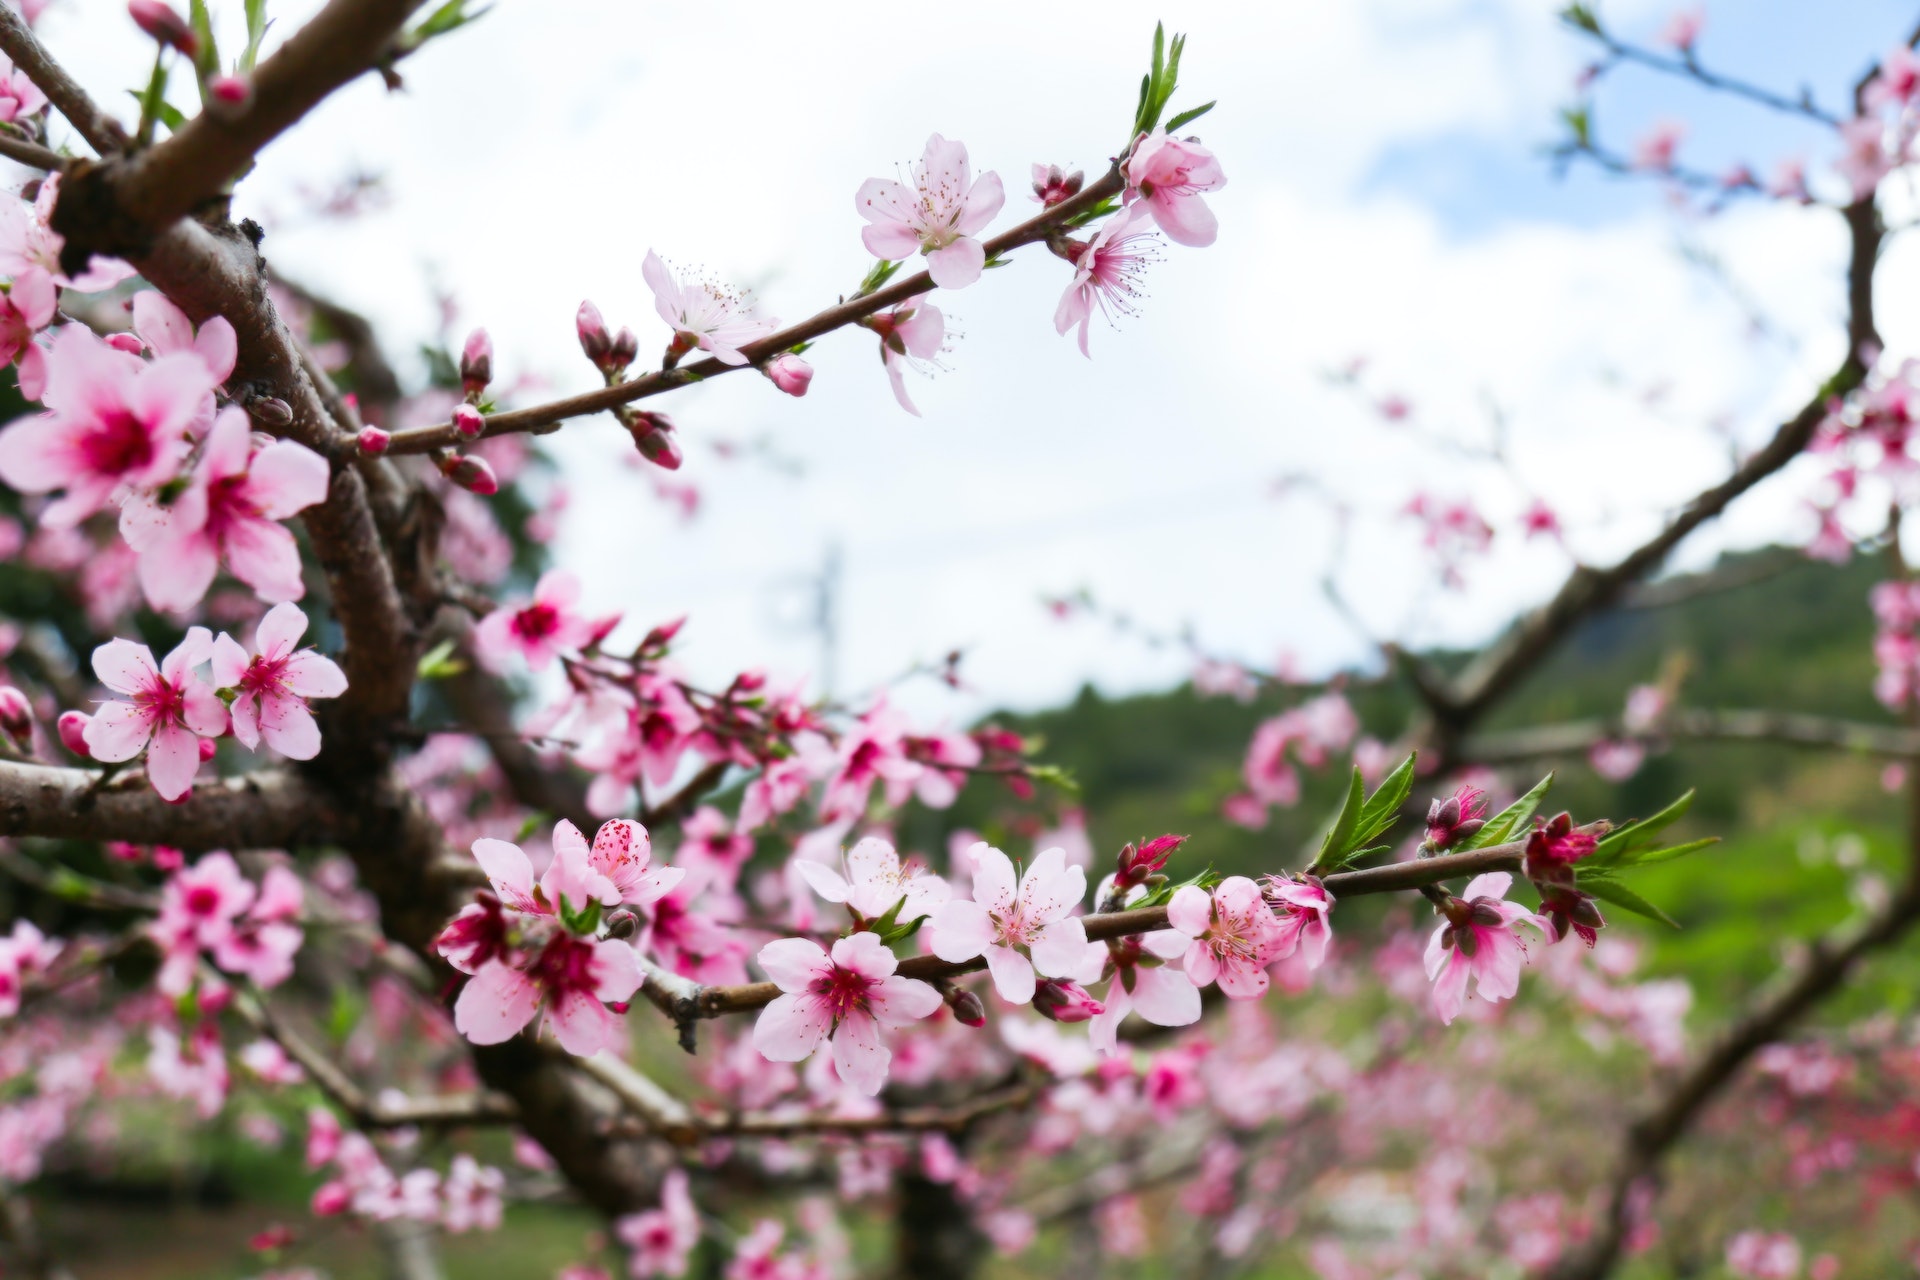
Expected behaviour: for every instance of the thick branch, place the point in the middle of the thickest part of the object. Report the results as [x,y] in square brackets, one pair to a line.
[102,132]
[1038,227]
[266,810]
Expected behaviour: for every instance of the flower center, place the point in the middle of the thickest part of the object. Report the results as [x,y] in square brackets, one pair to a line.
[843,990]
[117,444]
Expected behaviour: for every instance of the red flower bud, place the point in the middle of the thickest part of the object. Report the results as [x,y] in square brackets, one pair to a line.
[232,93]
[1457,818]
[653,436]
[967,1009]
[207,749]
[1150,859]
[626,348]
[164,25]
[373,441]
[1052,185]
[471,473]
[72,728]
[592,331]
[1065,1001]
[16,715]
[476,362]
[467,421]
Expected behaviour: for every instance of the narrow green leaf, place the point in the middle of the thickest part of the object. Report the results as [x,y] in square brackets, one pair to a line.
[1608,889]
[1339,837]
[1189,116]
[1668,854]
[1638,835]
[207,61]
[1383,806]
[1510,821]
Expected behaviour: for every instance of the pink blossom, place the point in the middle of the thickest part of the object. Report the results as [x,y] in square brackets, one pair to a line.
[1169,175]
[27,242]
[662,1239]
[1020,932]
[1646,706]
[874,750]
[25,310]
[1303,910]
[573,977]
[779,787]
[649,744]
[166,330]
[1158,993]
[1540,521]
[539,630]
[1616,760]
[570,879]
[1053,185]
[198,910]
[939,786]
[19,96]
[171,710]
[912,335]
[194,1070]
[875,881]
[1656,148]
[1477,940]
[1233,936]
[475,936]
[231,509]
[1682,31]
[790,373]
[1896,81]
[1761,1255]
[847,995]
[939,215]
[1457,818]
[113,424]
[704,315]
[1863,158]
[262,944]
[621,855]
[1107,272]
[272,686]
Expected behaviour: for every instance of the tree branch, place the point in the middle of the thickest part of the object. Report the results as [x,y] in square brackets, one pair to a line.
[101,131]
[264,810]
[851,311]
[1791,728]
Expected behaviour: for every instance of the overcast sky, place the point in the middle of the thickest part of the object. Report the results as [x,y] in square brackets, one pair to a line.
[1386,199]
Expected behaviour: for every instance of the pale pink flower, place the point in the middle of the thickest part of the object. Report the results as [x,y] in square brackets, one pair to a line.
[262,944]
[194,1070]
[1020,931]
[1863,158]
[1763,1255]
[1233,935]
[27,242]
[570,879]
[1683,27]
[539,630]
[1481,944]
[912,336]
[1657,147]
[649,744]
[1169,175]
[165,329]
[230,510]
[846,996]
[662,1239]
[1646,706]
[25,310]
[875,881]
[171,710]
[939,215]
[114,423]
[271,686]
[198,909]
[1158,993]
[778,787]
[704,315]
[939,786]
[874,750]
[789,373]
[1616,760]
[621,855]
[1304,907]
[1896,82]
[470,1198]
[19,96]
[1107,273]
[573,977]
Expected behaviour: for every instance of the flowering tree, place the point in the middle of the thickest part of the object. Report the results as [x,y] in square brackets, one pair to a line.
[335,780]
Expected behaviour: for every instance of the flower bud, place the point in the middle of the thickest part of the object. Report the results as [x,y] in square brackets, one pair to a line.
[653,436]
[966,1006]
[592,330]
[626,349]
[470,473]
[16,715]
[467,421]
[1065,1001]
[168,858]
[373,441]
[790,373]
[331,1200]
[229,94]
[1456,819]
[72,729]
[622,924]
[207,749]
[127,342]
[1135,866]
[164,25]
[476,363]
[1052,185]
[271,410]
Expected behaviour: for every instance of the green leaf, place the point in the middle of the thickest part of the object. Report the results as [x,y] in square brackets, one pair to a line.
[1510,821]
[1635,836]
[1667,854]
[1608,889]
[1189,116]
[207,61]
[438,662]
[257,25]
[1339,837]
[1054,775]
[1383,806]
[1581,18]
[450,16]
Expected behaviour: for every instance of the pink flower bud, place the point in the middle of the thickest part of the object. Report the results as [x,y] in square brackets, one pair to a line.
[207,749]
[72,728]
[472,474]
[592,330]
[790,373]
[467,421]
[662,636]
[231,92]
[626,348]
[271,410]
[1065,1001]
[1052,185]
[163,24]
[16,715]
[127,342]
[1456,818]
[653,436]
[1150,859]
[476,362]
[622,924]
[374,441]
[967,1009]
[168,858]
[331,1200]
